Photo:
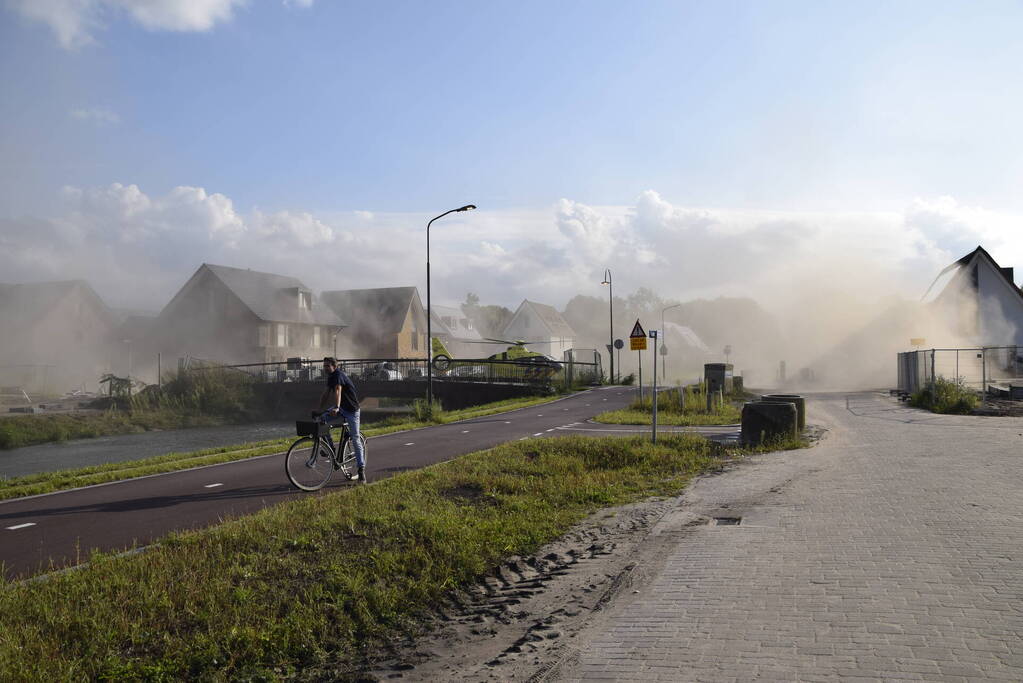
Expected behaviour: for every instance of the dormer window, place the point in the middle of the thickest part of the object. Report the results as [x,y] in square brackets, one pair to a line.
[305,300]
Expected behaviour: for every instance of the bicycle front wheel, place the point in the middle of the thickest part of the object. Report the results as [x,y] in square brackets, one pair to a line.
[346,463]
[307,470]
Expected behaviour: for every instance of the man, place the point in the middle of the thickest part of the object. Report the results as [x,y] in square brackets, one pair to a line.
[341,398]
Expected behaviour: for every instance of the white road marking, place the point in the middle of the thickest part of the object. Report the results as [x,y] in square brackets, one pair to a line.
[538,434]
[507,422]
[413,443]
[523,438]
[603,399]
[212,486]
[539,415]
[565,409]
[550,430]
[465,431]
[20,526]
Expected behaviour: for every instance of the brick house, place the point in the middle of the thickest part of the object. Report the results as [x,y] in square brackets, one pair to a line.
[235,315]
[386,322]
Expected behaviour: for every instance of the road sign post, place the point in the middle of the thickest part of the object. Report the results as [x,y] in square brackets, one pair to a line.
[618,346]
[637,342]
[653,422]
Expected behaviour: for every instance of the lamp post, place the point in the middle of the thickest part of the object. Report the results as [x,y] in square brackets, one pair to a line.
[611,320]
[429,326]
[664,333]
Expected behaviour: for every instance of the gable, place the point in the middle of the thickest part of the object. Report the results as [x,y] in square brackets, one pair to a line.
[385,308]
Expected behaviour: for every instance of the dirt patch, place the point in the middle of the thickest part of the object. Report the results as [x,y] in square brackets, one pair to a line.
[469,494]
[521,621]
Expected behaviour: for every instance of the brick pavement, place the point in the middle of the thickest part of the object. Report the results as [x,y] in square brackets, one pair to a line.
[891,551]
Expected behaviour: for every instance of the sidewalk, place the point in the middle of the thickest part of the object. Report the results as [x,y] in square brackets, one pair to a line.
[891,551]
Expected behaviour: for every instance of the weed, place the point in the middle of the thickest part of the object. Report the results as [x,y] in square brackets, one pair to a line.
[946,396]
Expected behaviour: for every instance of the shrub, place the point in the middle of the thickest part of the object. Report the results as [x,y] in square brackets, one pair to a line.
[629,379]
[946,396]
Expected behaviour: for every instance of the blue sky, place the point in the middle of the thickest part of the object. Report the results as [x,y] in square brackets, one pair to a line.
[591,134]
[408,106]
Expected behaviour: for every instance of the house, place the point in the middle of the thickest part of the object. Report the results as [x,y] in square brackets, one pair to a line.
[461,338]
[387,322]
[234,316]
[976,302]
[542,328]
[54,336]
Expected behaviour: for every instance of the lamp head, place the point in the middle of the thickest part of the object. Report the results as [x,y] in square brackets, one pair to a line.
[467,207]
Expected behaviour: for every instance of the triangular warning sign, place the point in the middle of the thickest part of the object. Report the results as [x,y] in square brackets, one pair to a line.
[637,330]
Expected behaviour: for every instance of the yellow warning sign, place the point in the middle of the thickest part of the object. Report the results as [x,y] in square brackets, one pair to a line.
[637,338]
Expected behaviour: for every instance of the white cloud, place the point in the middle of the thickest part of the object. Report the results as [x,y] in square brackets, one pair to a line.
[100,115]
[138,248]
[75,22]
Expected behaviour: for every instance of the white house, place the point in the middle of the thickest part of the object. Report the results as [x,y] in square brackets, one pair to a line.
[978,302]
[542,328]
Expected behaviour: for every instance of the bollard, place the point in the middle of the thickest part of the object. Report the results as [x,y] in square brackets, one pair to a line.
[765,420]
[794,399]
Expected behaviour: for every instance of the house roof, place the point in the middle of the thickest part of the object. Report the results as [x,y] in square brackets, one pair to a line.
[385,307]
[23,305]
[273,297]
[461,332]
[687,335]
[965,262]
[553,320]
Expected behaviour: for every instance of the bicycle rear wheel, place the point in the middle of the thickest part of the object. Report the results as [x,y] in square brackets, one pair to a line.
[346,462]
[306,470]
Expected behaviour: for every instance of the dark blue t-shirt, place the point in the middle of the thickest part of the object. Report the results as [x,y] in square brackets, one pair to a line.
[349,397]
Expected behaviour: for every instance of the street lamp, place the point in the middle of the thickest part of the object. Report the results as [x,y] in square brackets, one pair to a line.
[429,326]
[611,320]
[664,371]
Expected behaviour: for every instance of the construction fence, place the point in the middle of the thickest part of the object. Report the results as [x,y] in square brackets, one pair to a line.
[979,368]
[579,366]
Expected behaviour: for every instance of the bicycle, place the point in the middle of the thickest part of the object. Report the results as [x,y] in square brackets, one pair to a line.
[312,459]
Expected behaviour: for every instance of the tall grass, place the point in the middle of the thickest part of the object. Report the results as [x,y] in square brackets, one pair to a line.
[678,406]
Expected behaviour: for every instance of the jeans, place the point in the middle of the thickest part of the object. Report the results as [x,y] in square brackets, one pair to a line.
[353,428]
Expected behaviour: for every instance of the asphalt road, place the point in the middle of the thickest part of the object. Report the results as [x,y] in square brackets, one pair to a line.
[57,530]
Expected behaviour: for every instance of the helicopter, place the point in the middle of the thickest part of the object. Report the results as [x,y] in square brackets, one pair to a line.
[539,363]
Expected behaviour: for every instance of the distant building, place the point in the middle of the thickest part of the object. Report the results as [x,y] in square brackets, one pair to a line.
[977,302]
[234,315]
[54,336]
[461,338]
[542,328]
[387,322]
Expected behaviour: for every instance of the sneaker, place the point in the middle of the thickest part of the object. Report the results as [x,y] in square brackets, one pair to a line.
[361,476]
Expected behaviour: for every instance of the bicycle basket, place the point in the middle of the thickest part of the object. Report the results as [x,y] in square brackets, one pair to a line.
[308,428]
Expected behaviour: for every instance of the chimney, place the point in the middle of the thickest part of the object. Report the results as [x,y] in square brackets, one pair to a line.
[1008,272]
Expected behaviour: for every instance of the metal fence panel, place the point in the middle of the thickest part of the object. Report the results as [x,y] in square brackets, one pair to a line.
[978,367]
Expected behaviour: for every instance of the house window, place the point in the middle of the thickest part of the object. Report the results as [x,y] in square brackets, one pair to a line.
[264,335]
[282,335]
[316,337]
[415,341]
[305,300]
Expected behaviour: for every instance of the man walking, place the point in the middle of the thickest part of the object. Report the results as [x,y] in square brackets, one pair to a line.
[341,398]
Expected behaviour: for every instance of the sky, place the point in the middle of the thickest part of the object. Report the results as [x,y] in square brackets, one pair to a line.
[769,149]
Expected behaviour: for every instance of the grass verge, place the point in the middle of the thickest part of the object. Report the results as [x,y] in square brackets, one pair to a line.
[670,410]
[316,581]
[48,482]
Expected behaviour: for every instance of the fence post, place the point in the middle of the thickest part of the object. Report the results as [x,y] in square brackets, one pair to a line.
[983,375]
[933,377]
